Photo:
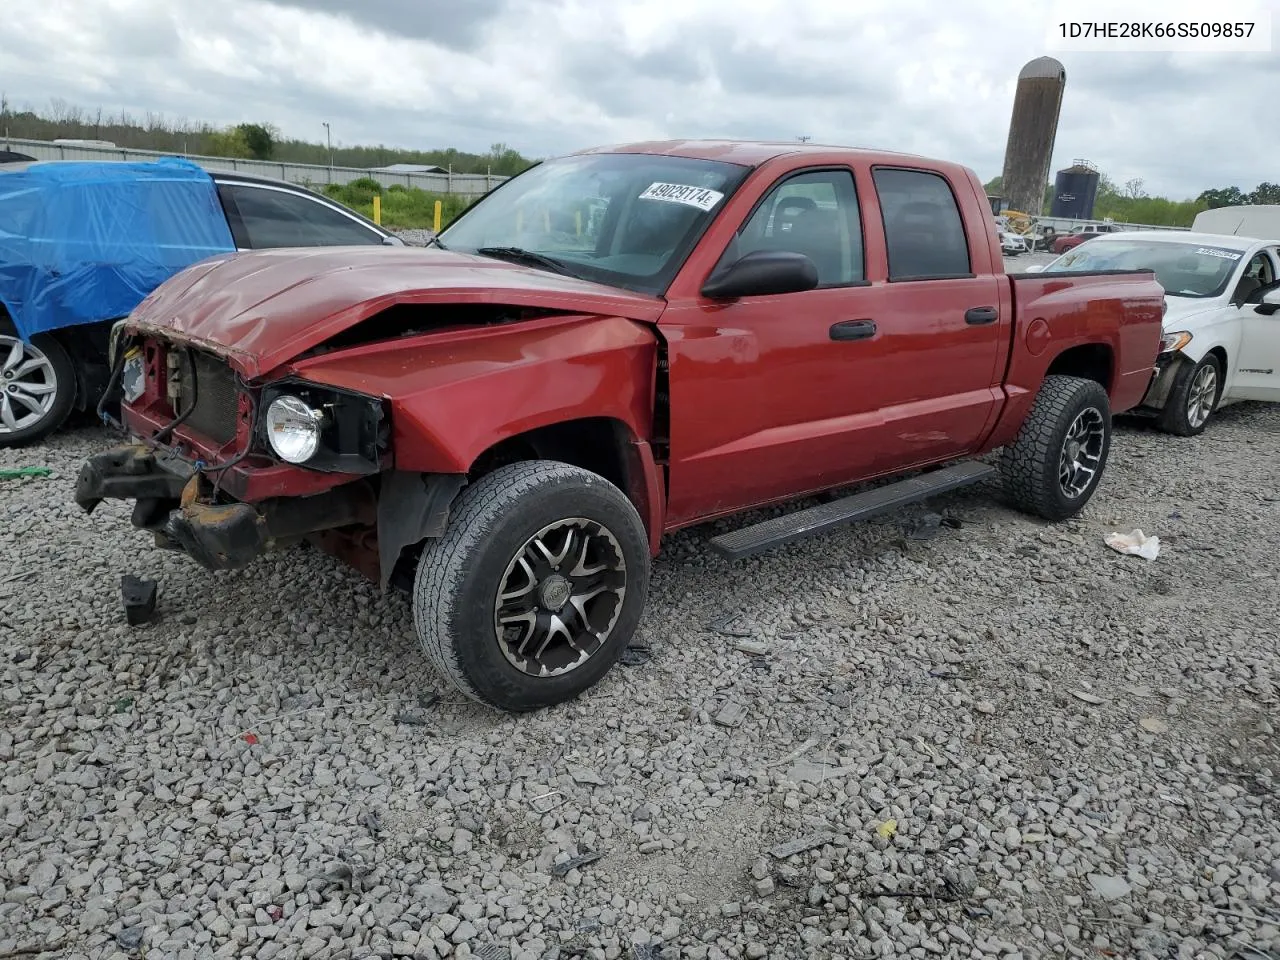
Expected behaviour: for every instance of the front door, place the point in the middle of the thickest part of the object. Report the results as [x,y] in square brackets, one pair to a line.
[1258,372]
[773,396]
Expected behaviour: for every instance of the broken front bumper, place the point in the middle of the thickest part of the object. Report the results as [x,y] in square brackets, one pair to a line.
[170,501]
[1162,379]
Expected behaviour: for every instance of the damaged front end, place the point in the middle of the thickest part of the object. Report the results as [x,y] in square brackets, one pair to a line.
[177,503]
[224,469]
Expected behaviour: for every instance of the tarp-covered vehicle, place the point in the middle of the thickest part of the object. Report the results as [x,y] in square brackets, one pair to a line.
[81,245]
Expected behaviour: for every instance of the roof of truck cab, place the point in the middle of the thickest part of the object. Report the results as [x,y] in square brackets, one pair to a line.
[750,153]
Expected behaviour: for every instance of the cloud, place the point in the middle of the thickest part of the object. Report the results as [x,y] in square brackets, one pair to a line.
[550,76]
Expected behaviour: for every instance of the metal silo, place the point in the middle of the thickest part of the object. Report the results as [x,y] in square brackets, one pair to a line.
[1032,129]
[1074,191]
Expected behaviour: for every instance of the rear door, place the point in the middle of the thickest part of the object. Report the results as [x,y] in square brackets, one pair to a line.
[945,317]
[1258,373]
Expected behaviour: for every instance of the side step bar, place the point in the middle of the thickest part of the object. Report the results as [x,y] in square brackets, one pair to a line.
[758,537]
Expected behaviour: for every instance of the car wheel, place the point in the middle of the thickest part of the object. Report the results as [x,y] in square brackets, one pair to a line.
[1192,399]
[1054,465]
[536,587]
[37,386]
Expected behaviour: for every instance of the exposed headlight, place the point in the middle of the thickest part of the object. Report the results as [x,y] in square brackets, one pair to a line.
[293,429]
[1171,342]
[325,428]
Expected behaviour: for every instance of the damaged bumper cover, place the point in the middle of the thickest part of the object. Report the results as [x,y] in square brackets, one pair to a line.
[1162,379]
[168,501]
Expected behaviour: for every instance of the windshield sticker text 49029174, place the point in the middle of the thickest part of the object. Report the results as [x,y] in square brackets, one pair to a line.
[699,197]
[1216,252]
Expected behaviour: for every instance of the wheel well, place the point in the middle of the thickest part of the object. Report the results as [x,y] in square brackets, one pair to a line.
[1090,361]
[598,444]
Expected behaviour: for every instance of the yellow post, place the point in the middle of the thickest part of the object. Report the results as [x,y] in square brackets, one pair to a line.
[436,228]
[377,209]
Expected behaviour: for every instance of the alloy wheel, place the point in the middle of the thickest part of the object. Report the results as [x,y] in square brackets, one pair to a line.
[1082,452]
[1201,396]
[28,385]
[560,597]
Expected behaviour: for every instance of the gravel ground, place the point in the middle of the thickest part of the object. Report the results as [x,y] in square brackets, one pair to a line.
[982,738]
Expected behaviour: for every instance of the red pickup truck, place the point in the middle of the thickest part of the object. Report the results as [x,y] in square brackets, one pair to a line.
[608,347]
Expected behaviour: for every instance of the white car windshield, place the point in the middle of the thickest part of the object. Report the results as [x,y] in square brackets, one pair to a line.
[1195,270]
[629,220]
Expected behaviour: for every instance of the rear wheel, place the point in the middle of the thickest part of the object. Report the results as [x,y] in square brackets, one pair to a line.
[1193,398]
[37,386]
[1056,462]
[535,588]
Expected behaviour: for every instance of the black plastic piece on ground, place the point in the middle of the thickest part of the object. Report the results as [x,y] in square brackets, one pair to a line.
[635,656]
[139,598]
[860,506]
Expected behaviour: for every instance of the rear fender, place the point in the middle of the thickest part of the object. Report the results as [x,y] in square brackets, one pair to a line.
[1054,314]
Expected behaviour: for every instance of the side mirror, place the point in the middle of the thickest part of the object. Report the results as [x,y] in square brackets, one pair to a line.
[1035,268]
[760,274]
[1270,303]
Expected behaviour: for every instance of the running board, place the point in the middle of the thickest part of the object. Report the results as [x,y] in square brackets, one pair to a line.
[815,520]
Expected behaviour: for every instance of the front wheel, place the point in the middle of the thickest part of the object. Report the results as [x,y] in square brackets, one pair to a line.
[37,386]
[1056,462]
[1193,397]
[535,588]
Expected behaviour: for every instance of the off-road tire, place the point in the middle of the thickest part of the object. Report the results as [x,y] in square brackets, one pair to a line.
[1031,464]
[1176,417]
[460,574]
[64,399]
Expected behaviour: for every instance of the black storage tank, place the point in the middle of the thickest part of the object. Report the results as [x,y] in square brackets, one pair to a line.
[1074,191]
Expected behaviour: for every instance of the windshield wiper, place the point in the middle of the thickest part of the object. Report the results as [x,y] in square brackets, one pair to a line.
[435,242]
[529,257]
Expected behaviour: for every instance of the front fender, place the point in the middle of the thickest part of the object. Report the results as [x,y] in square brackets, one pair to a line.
[454,395]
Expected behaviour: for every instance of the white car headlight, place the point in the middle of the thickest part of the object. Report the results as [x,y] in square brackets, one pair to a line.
[1174,341]
[293,429]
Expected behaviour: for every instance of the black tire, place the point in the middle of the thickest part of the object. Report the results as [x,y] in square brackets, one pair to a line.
[493,523]
[1035,465]
[1188,409]
[58,371]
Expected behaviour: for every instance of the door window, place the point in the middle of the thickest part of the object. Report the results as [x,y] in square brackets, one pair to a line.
[279,218]
[923,230]
[815,214]
[1260,274]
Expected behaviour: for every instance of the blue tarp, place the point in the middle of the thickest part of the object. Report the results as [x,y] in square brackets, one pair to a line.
[84,242]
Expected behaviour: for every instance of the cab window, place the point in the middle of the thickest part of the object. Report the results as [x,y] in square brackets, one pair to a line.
[814,214]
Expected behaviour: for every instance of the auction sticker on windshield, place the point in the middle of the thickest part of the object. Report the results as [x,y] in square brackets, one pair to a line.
[699,197]
[1218,252]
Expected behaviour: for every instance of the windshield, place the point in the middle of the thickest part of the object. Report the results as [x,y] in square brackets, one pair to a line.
[1183,269]
[619,218]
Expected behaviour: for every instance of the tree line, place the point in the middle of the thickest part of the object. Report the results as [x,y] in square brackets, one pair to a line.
[248,141]
[1130,203]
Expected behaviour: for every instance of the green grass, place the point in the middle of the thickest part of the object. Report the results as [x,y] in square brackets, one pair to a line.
[403,208]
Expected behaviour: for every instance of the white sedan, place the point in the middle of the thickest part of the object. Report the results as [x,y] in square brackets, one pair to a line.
[1221,339]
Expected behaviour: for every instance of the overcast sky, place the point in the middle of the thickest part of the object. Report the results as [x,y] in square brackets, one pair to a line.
[550,76]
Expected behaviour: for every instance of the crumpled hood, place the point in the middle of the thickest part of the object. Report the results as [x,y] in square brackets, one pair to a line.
[263,308]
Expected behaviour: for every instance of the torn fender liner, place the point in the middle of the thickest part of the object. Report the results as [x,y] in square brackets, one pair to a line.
[411,507]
